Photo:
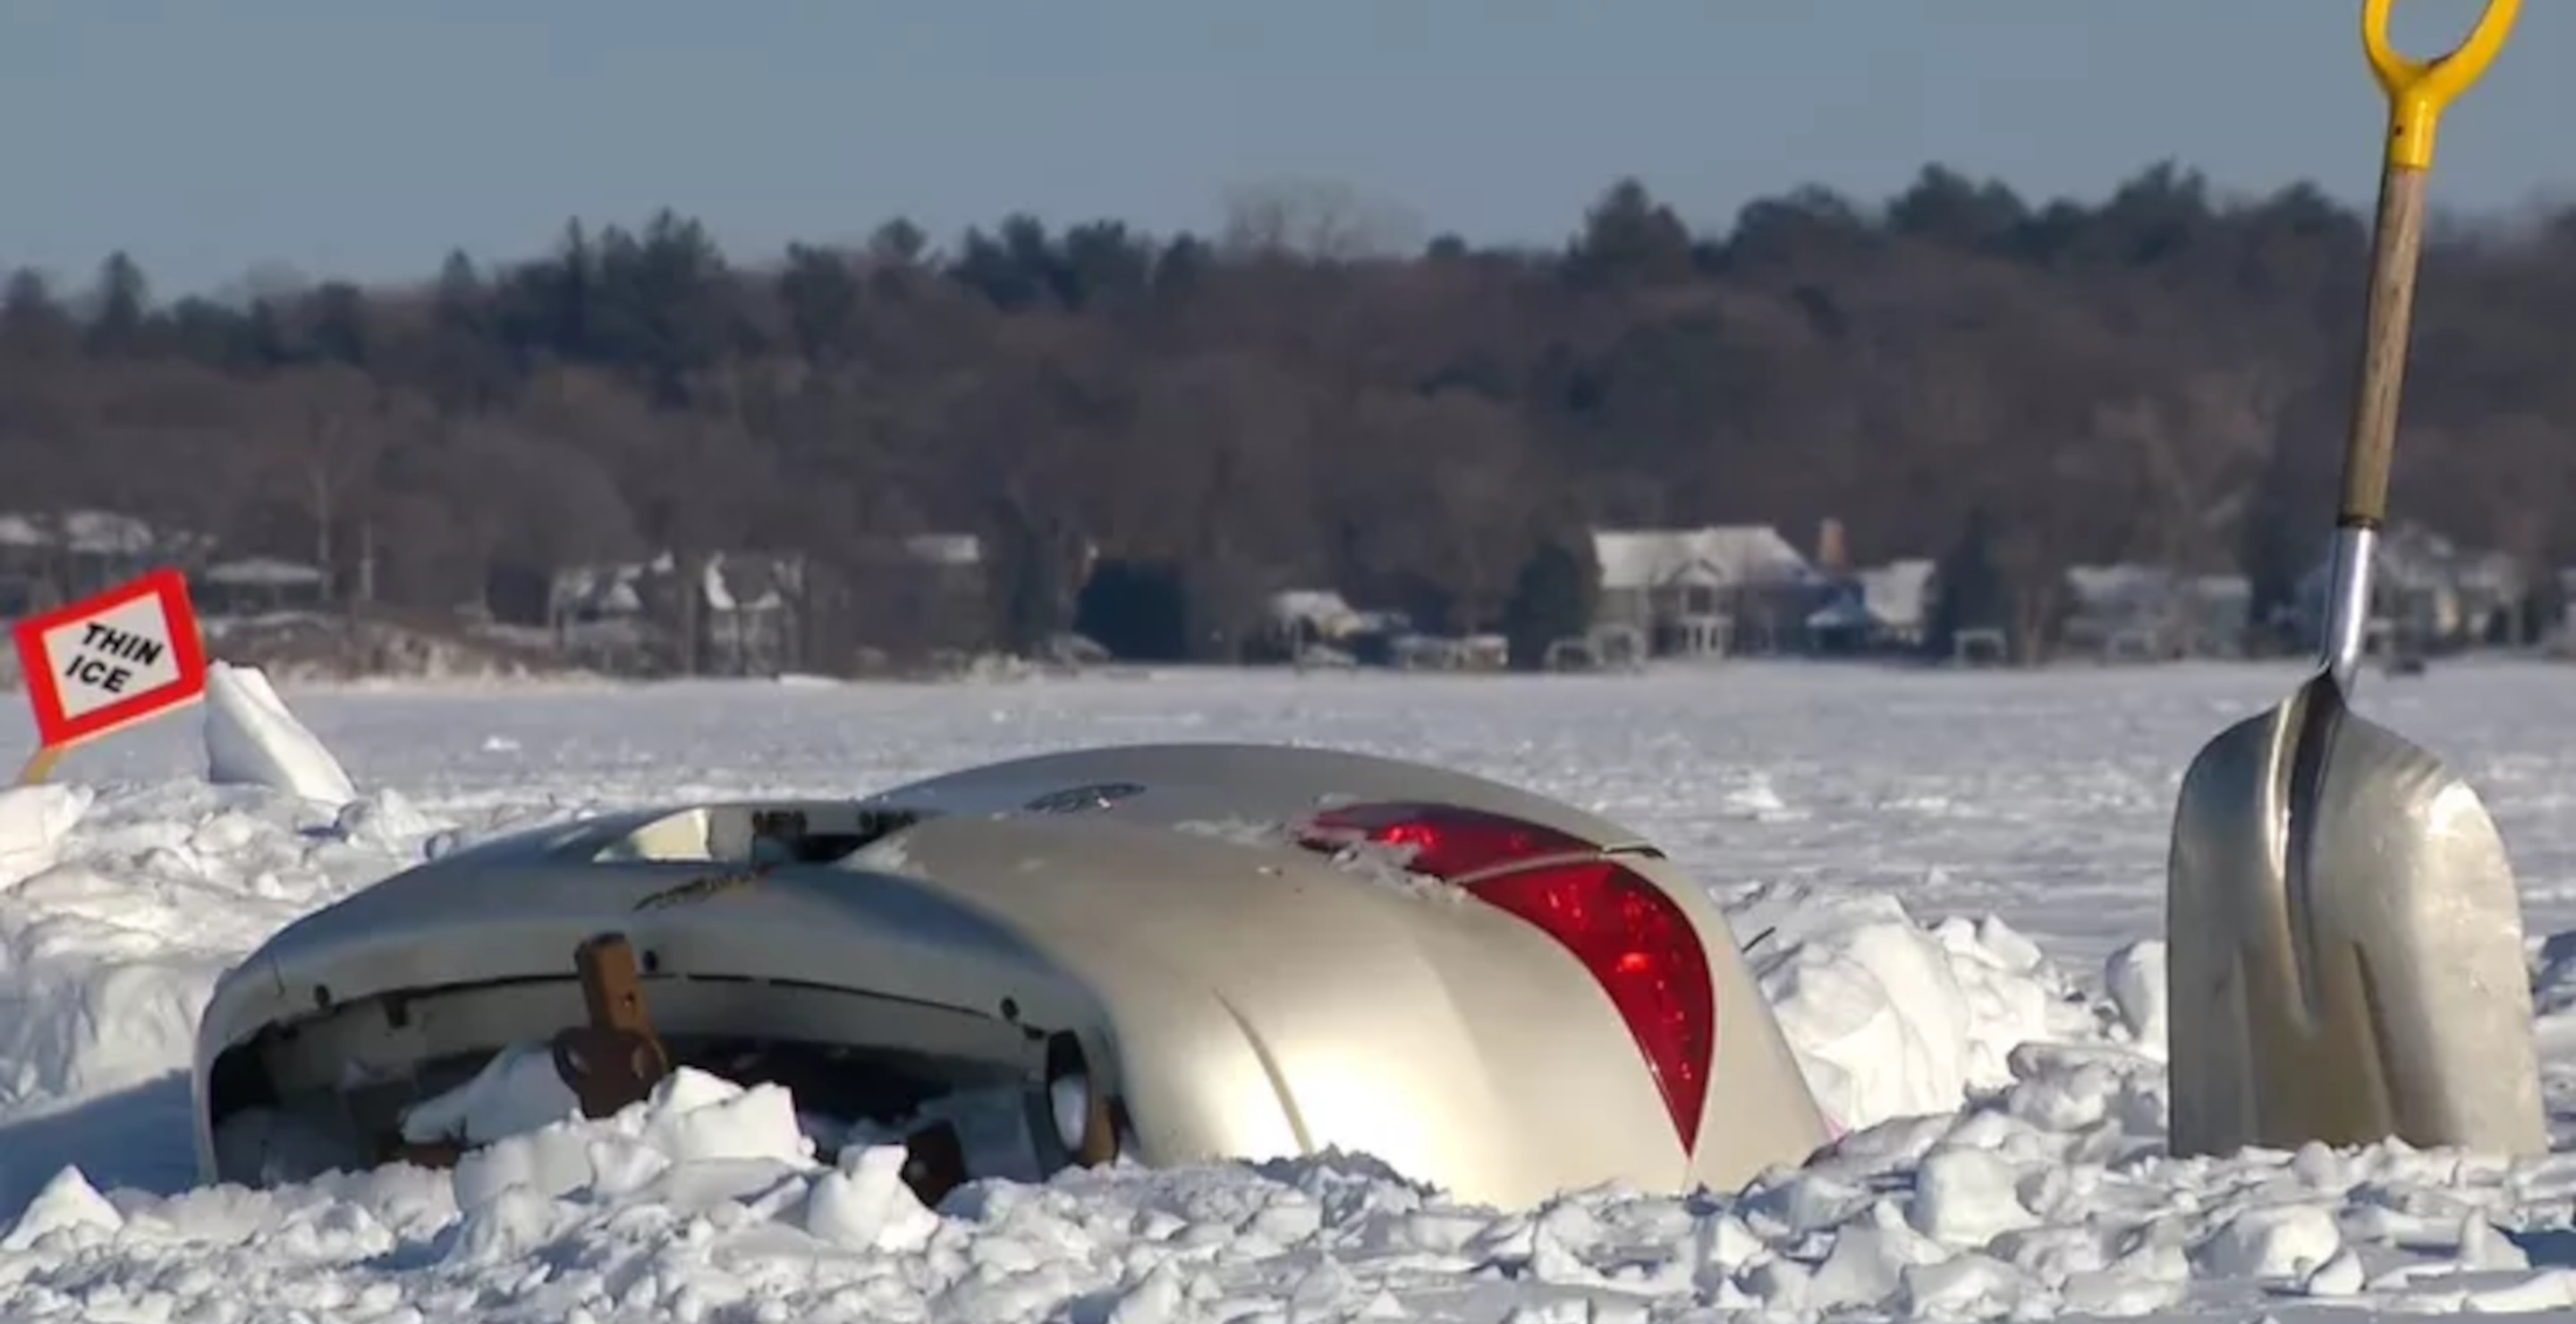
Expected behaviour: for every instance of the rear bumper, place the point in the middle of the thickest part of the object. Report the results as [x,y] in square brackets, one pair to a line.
[377,999]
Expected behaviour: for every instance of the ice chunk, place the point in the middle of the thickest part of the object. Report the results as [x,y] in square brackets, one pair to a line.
[33,822]
[253,740]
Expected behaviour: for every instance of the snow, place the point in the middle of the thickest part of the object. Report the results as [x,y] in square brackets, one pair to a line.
[33,822]
[1891,1018]
[518,1090]
[1950,884]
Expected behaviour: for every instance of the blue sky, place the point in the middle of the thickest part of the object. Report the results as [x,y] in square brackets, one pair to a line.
[366,137]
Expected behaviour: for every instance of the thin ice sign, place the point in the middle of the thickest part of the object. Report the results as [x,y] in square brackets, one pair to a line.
[119,657]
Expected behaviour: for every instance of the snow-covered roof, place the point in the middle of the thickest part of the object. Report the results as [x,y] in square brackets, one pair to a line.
[263,572]
[1897,593]
[748,581]
[2222,588]
[711,578]
[738,581]
[2414,558]
[1717,556]
[604,589]
[99,532]
[1891,596]
[2136,592]
[1322,608]
[2123,585]
[959,549]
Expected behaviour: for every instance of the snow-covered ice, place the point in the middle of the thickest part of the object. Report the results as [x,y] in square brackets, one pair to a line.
[1951,885]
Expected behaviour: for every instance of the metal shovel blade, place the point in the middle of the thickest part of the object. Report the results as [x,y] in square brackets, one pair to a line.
[2345,945]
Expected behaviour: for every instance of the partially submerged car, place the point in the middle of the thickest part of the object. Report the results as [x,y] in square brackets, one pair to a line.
[1168,953]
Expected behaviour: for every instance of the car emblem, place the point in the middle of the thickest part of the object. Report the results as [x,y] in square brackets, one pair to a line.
[1083,799]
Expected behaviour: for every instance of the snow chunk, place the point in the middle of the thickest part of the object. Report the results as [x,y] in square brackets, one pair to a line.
[2135,978]
[1869,1262]
[1894,1019]
[864,1205]
[732,1134]
[68,1201]
[253,740]
[1966,1197]
[2274,1241]
[519,1090]
[2341,1275]
[697,1116]
[385,820]
[34,820]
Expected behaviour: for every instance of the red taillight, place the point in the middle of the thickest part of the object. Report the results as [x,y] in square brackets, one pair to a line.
[1641,948]
[1637,944]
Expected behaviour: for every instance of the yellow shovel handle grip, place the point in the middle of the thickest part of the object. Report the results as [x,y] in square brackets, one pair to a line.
[2420,90]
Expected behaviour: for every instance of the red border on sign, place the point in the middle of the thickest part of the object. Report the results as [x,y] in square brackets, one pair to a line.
[187,651]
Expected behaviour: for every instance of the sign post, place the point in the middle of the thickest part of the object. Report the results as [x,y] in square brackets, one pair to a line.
[107,662]
[40,765]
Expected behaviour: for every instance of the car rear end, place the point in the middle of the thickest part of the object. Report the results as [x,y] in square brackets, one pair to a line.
[1498,1004]
[1178,953]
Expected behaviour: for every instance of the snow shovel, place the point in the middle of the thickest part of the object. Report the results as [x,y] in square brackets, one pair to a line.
[2345,953]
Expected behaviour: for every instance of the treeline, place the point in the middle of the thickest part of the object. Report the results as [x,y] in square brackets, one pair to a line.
[2158,376]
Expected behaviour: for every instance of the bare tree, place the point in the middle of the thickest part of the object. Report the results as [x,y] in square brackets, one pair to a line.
[1315,219]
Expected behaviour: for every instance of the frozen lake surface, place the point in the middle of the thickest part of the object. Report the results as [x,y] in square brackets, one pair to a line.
[2019,806]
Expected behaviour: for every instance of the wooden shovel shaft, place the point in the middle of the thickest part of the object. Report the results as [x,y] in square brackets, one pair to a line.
[2395,249]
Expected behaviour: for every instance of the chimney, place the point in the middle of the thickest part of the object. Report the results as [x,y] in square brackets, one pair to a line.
[1832,556]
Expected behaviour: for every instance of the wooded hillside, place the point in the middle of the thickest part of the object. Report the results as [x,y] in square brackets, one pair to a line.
[2159,376]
